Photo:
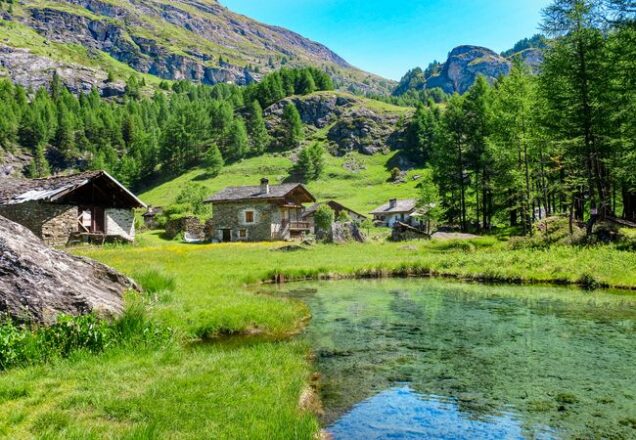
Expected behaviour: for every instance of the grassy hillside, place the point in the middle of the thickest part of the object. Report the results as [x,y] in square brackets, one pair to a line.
[359,182]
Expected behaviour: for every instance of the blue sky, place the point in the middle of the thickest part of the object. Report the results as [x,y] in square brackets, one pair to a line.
[390,37]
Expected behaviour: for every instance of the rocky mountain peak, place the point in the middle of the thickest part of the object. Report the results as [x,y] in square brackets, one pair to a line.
[464,64]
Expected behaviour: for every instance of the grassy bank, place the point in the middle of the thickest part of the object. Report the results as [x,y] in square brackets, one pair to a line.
[182,390]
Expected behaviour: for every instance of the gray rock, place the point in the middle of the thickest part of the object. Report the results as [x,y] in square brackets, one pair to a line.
[463,66]
[345,232]
[352,127]
[30,70]
[38,283]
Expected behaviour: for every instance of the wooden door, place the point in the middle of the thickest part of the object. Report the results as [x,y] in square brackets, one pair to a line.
[227,235]
[99,223]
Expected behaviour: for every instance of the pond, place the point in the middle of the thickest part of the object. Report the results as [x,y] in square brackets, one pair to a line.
[413,359]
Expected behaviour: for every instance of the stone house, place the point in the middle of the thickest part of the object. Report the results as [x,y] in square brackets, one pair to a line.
[337,208]
[90,206]
[396,211]
[259,213]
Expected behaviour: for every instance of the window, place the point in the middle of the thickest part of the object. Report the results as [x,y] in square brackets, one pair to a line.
[249,217]
[243,234]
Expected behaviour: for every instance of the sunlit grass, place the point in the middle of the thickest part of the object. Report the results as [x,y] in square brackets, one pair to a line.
[184,389]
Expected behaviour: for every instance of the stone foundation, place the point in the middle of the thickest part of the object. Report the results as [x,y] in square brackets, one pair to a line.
[54,224]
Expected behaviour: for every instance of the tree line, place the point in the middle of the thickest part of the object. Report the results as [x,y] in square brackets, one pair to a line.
[165,131]
[562,142]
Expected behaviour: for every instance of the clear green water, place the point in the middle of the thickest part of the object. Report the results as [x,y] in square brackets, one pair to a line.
[402,359]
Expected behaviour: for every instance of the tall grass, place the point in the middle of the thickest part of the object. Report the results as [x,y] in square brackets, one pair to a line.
[23,344]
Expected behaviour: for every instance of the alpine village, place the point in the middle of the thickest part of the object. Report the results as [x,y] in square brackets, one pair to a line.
[216,228]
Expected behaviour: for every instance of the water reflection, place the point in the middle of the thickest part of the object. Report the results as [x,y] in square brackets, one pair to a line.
[403,414]
[551,356]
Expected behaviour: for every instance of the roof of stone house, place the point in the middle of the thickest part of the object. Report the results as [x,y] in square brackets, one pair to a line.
[246,193]
[14,191]
[331,203]
[401,206]
[153,211]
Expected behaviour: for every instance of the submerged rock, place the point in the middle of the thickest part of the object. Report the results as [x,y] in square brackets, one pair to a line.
[38,283]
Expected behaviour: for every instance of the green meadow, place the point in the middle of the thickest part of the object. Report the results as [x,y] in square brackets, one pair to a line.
[209,378]
[360,182]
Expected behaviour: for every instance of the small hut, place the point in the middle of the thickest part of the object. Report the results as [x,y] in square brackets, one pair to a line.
[91,206]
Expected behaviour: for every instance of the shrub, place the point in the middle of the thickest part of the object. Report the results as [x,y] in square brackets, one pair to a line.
[11,345]
[588,282]
[70,334]
[323,219]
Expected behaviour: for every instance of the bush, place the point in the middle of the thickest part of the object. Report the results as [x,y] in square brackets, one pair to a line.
[551,231]
[323,219]
[11,345]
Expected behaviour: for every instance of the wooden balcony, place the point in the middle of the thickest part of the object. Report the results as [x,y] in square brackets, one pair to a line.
[296,226]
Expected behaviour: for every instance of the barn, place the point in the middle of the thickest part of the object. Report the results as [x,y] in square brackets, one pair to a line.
[90,206]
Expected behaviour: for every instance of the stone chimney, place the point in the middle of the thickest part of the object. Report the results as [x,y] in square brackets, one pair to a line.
[264,185]
[392,203]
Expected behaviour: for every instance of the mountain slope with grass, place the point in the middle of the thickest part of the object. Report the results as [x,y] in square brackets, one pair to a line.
[100,42]
[358,181]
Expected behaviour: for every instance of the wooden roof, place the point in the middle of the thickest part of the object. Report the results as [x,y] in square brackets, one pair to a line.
[89,187]
[401,206]
[255,193]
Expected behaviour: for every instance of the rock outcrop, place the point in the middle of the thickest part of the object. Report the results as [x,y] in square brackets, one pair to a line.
[38,283]
[30,70]
[463,66]
[350,122]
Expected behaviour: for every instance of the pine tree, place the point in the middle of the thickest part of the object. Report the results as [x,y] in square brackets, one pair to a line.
[39,166]
[449,163]
[237,141]
[305,83]
[65,135]
[311,162]
[293,127]
[214,160]
[8,126]
[478,123]
[574,87]
[257,129]
[421,135]
[133,88]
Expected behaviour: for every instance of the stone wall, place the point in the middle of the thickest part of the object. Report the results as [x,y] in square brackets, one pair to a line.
[53,223]
[192,225]
[232,216]
[120,223]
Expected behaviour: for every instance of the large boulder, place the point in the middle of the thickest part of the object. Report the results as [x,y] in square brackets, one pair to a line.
[38,283]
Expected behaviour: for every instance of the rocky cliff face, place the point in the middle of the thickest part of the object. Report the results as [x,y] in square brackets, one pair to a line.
[31,70]
[463,66]
[38,283]
[197,40]
[348,122]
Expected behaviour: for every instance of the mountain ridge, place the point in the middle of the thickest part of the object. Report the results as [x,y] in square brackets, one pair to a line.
[197,40]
